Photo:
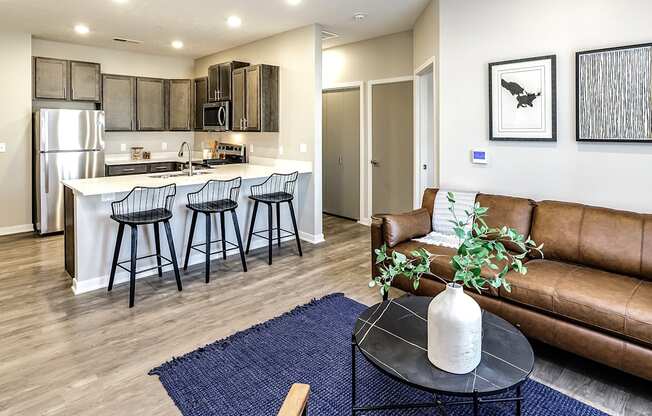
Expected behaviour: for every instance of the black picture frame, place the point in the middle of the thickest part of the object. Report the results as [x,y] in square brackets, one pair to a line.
[578,108]
[553,79]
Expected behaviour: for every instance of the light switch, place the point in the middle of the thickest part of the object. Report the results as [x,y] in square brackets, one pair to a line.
[303,148]
[123,147]
[164,146]
[3,147]
[251,148]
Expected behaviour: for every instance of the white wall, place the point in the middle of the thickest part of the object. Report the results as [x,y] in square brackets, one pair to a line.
[426,34]
[15,131]
[126,63]
[476,32]
[383,57]
[298,54]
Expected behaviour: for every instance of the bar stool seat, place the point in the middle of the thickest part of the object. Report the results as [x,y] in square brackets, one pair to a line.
[222,205]
[215,197]
[144,217]
[277,188]
[273,197]
[144,206]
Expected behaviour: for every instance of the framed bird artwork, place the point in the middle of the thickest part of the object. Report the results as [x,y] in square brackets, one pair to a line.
[523,100]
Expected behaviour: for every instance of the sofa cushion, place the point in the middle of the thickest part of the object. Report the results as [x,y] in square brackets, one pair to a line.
[646,262]
[557,225]
[596,298]
[403,227]
[638,322]
[607,239]
[537,288]
[508,211]
[428,200]
[612,240]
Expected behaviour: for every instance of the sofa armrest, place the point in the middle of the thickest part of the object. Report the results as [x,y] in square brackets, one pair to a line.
[393,229]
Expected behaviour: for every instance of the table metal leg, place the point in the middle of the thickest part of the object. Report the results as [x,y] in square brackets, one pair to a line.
[518,400]
[476,403]
[353,374]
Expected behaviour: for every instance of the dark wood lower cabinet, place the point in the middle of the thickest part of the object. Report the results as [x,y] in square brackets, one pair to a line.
[69,230]
[141,168]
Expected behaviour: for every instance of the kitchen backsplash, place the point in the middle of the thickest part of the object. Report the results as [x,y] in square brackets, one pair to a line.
[150,141]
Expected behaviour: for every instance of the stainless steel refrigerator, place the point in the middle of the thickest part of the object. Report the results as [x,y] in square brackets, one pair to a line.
[68,144]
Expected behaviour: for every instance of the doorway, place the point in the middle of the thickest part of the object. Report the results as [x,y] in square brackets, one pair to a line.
[392,146]
[341,152]
[426,144]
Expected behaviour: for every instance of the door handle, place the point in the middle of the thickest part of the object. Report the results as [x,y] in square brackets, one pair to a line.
[374,163]
[339,160]
[47,173]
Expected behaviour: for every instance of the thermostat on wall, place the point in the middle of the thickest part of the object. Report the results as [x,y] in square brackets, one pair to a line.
[479,157]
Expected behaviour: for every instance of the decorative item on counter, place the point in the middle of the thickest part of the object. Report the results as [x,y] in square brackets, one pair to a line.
[137,153]
[147,155]
[455,318]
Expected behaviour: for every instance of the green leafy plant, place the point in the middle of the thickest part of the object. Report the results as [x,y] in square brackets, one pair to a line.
[481,247]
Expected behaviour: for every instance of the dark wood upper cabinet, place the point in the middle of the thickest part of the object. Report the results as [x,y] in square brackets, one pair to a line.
[50,78]
[85,81]
[180,104]
[201,98]
[119,102]
[239,101]
[213,82]
[150,104]
[220,80]
[256,98]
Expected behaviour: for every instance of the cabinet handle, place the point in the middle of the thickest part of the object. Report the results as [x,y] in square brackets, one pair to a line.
[129,169]
[64,92]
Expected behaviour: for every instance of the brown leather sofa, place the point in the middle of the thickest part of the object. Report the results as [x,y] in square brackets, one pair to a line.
[591,295]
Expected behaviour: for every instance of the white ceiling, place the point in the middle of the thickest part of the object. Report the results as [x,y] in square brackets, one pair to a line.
[201,24]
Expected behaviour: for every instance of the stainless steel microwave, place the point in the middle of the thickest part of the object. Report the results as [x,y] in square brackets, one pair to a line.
[217,116]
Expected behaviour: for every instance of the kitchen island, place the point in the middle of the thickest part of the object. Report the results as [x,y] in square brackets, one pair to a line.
[90,233]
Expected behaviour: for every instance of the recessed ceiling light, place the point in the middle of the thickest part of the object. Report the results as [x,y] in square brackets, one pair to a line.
[121,1]
[234,21]
[359,17]
[293,2]
[82,29]
[177,44]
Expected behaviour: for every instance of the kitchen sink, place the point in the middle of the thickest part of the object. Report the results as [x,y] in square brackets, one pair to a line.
[180,174]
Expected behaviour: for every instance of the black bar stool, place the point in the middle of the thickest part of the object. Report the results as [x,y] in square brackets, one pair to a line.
[276,189]
[144,206]
[215,197]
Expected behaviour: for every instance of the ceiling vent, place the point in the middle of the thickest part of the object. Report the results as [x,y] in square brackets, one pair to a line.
[124,40]
[326,35]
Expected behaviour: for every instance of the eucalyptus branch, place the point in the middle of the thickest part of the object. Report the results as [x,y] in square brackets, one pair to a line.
[482,260]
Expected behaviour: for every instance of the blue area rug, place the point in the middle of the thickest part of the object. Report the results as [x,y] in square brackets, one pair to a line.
[250,372]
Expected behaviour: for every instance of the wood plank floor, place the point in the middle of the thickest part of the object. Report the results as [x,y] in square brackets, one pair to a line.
[89,355]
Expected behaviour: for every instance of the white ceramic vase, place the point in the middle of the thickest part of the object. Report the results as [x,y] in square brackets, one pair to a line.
[454,331]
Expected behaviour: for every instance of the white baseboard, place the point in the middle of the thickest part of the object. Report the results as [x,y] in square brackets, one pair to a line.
[311,238]
[102,282]
[16,229]
[365,221]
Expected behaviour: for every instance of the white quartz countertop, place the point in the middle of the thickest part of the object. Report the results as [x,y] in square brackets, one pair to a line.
[259,169]
[125,159]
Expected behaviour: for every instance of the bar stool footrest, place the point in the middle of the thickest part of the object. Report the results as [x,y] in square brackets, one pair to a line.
[274,230]
[168,262]
[231,248]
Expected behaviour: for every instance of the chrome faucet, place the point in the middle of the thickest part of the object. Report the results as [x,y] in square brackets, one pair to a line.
[186,144]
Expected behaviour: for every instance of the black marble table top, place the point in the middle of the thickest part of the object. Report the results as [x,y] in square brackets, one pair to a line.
[393,335]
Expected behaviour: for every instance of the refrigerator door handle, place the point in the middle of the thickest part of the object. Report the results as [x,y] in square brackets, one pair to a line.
[46,172]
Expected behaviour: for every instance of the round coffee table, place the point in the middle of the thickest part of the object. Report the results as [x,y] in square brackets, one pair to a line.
[393,336]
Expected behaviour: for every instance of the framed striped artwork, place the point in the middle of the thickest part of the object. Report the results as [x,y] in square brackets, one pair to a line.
[614,94]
